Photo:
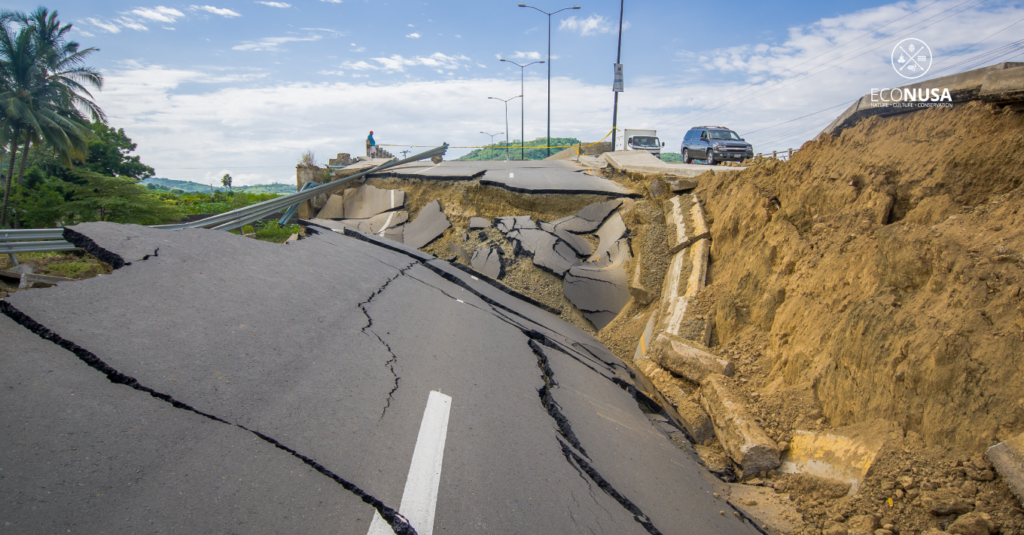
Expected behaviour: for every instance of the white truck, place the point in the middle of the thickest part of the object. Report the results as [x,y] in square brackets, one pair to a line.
[637,139]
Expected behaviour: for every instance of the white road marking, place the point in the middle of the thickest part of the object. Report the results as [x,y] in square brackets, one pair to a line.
[388,222]
[420,495]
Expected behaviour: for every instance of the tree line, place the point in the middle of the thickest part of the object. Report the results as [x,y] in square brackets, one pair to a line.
[60,162]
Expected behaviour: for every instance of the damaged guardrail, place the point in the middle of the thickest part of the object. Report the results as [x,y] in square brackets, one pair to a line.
[41,240]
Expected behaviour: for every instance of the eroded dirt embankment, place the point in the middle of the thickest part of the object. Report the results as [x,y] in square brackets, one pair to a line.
[884,267]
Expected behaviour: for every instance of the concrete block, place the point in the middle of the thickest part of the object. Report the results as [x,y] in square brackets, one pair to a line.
[333,209]
[1008,458]
[742,438]
[673,298]
[367,201]
[682,357]
[700,225]
[698,273]
[695,421]
[636,287]
[845,454]
[679,184]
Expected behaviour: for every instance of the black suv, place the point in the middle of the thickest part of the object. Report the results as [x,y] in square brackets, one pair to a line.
[714,144]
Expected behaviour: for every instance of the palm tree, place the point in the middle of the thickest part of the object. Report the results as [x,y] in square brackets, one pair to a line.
[43,93]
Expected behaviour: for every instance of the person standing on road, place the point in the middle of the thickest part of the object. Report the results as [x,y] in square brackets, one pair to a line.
[372,144]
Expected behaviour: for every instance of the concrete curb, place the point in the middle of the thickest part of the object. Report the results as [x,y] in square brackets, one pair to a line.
[735,428]
[1008,458]
[682,357]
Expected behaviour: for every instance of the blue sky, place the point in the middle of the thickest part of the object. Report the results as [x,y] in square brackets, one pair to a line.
[246,86]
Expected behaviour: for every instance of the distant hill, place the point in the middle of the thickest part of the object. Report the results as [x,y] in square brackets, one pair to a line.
[497,150]
[186,186]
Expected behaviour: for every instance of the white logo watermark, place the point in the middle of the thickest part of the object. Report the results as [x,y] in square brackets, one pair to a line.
[911,58]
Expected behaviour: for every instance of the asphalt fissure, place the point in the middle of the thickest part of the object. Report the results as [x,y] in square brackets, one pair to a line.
[83,242]
[390,363]
[397,522]
[550,405]
[607,487]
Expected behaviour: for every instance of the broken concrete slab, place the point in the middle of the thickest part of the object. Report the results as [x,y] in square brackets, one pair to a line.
[488,261]
[589,218]
[678,211]
[508,224]
[367,201]
[696,421]
[429,224]
[479,223]
[599,289]
[682,357]
[744,440]
[547,250]
[334,208]
[679,184]
[636,287]
[609,233]
[844,454]
[592,162]
[1008,458]
[379,222]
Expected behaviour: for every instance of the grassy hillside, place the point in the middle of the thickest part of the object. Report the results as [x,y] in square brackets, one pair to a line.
[497,151]
[167,184]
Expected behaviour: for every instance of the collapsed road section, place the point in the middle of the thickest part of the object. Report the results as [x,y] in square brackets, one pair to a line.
[183,392]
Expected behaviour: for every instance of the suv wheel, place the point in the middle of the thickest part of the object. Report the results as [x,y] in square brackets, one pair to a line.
[711,157]
[686,156]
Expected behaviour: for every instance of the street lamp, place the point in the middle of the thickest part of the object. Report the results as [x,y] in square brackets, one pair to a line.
[522,115]
[549,63]
[492,136]
[506,121]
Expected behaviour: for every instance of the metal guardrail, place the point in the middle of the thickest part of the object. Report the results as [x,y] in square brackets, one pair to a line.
[14,240]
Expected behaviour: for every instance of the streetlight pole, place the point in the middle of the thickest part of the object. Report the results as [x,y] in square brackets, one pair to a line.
[522,115]
[618,60]
[492,136]
[506,120]
[549,63]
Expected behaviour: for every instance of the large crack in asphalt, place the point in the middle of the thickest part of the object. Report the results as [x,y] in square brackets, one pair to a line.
[397,522]
[390,363]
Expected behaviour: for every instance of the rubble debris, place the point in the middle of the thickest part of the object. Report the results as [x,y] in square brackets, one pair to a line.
[547,250]
[479,223]
[682,357]
[508,224]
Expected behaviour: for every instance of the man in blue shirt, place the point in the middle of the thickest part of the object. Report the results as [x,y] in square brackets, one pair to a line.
[373,145]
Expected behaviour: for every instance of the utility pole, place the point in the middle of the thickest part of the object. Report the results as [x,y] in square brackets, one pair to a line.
[506,120]
[615,87]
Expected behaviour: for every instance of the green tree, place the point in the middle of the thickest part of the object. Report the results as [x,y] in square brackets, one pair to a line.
[43,93]
[108,154]
[226,181]
[98,197]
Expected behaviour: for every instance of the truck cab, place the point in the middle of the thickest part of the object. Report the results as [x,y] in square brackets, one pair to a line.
[638,139]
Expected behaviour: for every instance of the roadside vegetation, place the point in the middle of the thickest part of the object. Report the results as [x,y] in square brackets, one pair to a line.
[497,151]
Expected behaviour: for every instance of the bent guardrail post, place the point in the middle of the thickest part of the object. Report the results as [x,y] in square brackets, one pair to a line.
[291,211]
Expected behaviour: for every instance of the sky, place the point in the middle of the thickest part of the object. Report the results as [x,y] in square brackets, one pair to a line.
[245,87]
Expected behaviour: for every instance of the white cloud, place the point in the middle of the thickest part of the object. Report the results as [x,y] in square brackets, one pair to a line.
[333,73]
[533,56]
[271,44]
[591,25]
[358,48]
[398,63]
[413,35]
[167,28]
[332,1]
[105,26]
[224,12]
[84,33]
[275,4]
[481,65]
[457,36]
[158,13]
[131,24]
[411,26]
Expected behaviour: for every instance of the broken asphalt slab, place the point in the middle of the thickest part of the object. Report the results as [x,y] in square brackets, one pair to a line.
[553,180]
[599,289]
[547,250]
[216,408]
[429,225]
[487,260]
[589,218]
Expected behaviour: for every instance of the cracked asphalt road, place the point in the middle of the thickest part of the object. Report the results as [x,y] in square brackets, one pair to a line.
[219,384]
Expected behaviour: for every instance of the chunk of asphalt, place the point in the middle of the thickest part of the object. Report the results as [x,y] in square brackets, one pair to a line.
[487,260]
[460,252]
[427,227]
[547,250]
[599,289]
[378,222]
[589,218]
[508,224]
[479,223]
[610,232]
[578,244]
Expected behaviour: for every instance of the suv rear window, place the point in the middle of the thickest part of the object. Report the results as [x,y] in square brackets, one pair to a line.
[724,134]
